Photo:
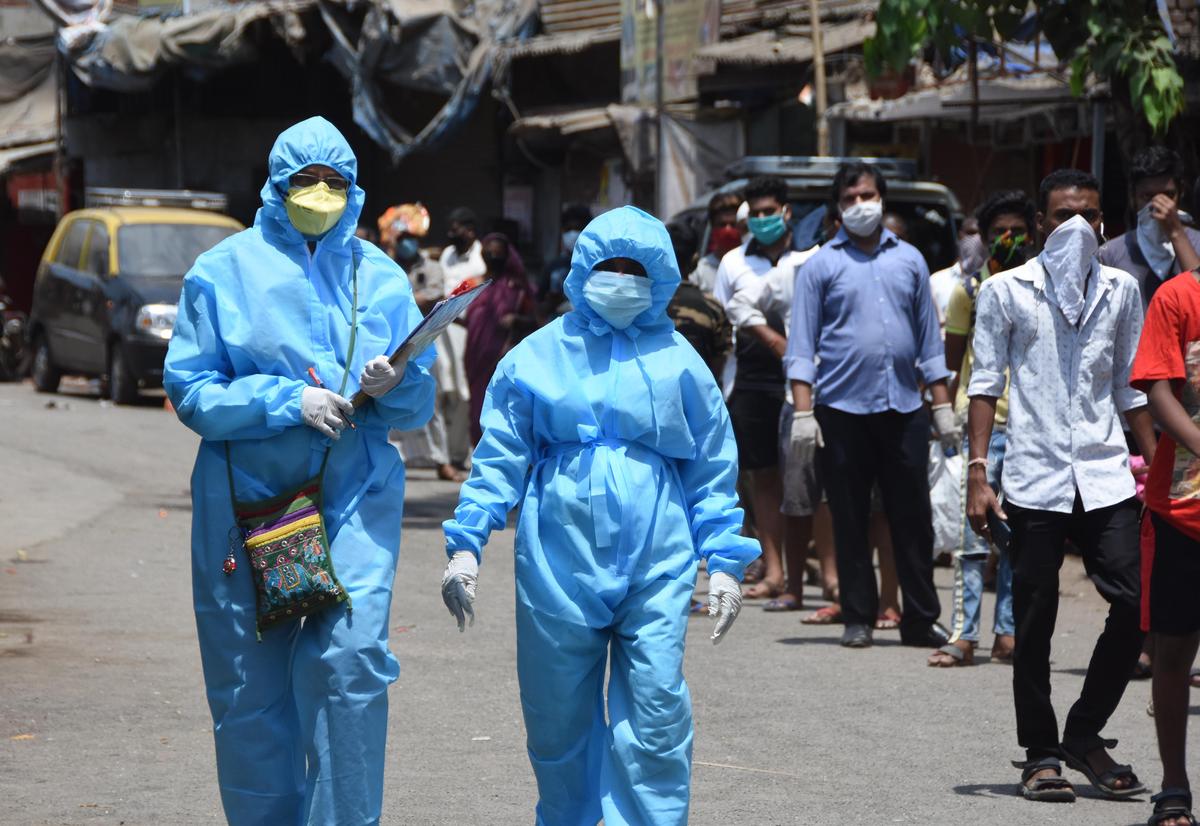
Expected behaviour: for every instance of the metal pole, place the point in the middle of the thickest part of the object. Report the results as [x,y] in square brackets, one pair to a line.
[814,13]
[660,165]
[60,146]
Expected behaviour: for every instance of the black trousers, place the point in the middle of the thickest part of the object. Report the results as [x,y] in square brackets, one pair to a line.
[1108,538]
[893,449]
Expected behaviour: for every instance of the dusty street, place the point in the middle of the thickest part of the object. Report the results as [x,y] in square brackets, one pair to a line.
[103,718]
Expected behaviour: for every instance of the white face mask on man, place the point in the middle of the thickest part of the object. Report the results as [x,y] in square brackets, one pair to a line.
[1067,259]
[862,218]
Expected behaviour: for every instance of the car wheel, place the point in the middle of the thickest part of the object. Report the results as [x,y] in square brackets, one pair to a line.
[122,386]
[46,376]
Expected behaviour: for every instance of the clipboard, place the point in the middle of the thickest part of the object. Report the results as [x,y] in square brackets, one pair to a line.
[424,334]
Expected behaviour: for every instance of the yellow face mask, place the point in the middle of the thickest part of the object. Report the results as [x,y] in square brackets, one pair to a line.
[316,209]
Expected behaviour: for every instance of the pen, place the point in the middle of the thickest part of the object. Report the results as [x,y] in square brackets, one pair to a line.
[312,374]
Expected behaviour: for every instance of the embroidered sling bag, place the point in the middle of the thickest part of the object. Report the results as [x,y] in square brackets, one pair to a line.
[284,537]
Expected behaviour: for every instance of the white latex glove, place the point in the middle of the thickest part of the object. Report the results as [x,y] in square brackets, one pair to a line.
[378,377]
[724,602]
[946,424]
[325,411]
[806,433]
[458,586]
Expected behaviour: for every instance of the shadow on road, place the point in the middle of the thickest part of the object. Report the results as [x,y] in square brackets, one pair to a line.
[884,643]
[987,790]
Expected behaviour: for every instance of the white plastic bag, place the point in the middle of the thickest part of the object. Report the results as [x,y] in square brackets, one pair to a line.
[945,495]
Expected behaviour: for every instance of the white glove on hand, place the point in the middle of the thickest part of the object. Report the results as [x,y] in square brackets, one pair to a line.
[806,433]
[946,424]
[325,411]
[378,377]
[724,602]
[458,586]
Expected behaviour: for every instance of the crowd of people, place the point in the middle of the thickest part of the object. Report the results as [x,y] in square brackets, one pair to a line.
[841,363]
[651,386]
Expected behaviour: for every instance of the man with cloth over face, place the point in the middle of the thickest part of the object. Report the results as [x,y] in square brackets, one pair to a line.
[1065,329]
[300,718]
[864,331]
[1162,244]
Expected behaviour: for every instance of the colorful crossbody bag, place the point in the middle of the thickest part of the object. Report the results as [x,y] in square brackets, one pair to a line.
[284,537]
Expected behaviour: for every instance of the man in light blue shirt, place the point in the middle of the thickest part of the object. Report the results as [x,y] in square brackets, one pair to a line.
[864,331]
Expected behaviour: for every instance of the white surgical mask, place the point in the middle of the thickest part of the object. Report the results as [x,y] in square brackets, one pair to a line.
[863,218]
[616,298]
[1154,244]
[1067,259]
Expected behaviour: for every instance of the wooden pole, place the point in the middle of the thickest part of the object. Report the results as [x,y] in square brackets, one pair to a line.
[818,58]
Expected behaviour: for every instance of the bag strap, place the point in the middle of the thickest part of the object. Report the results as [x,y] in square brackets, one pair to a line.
[355,254]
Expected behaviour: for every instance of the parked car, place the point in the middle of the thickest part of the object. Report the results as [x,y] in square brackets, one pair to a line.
[107,292]
[930,210]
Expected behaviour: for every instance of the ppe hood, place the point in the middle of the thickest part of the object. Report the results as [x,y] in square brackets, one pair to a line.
[311,141]
[625,232]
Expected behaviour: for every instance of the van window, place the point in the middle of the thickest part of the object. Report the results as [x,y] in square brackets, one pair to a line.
[97,250]
[71,248]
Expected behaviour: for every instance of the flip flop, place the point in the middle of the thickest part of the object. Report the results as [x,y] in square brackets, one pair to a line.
[887,622]
[786,602]
[829,615]
[761,590]
[959,657]
[1195,678]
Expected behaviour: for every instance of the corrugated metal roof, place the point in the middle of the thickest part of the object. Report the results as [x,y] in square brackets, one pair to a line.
[560,16]
[564,43]
[737,16]
[767,47]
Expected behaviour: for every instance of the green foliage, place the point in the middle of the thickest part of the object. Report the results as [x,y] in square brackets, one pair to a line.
[1120,41]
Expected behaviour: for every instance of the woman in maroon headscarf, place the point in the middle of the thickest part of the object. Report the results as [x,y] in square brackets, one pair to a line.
[497,319]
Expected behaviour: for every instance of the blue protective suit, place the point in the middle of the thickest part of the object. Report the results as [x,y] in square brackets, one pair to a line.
[300,718]
[618,446]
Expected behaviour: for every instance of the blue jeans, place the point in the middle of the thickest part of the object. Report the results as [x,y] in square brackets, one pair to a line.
[970,562]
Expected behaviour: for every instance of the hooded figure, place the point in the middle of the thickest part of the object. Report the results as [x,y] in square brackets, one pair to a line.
[617,445]
[300,718]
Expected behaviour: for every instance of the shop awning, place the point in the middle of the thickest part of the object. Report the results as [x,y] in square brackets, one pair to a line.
[577,121]
[565,43]
[13,154]
[767,47]
[432,46]
[1001,99]
[28,92]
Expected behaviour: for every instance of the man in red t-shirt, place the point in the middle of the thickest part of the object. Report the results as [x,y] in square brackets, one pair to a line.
[1167,370]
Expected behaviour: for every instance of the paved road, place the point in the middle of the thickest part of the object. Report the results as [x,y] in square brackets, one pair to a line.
[103,720]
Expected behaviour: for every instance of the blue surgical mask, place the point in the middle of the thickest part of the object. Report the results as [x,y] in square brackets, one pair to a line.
[768,229]
[407,249]
[616,298]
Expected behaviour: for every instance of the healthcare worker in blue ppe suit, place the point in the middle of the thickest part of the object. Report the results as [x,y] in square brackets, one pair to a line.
[299,719]
[609,430]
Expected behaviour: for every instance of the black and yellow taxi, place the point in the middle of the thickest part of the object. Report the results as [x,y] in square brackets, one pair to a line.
[107,291]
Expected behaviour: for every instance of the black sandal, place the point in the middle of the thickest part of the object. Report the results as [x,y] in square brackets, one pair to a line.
[1045,789]
[1163,813]
[1075,753]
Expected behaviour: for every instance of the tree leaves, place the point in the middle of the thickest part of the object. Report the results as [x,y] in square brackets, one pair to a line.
[1114,39]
